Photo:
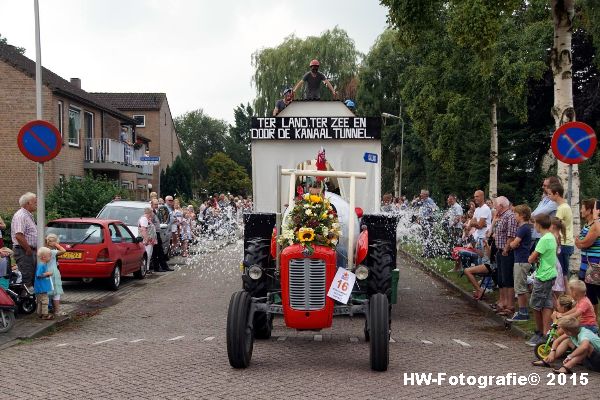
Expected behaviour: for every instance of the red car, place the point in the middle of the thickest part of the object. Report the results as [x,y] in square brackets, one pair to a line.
[98,248]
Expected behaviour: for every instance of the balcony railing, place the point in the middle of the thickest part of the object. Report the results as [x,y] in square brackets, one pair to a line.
[114,151]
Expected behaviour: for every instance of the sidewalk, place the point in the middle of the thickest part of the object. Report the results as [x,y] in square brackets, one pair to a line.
[79,300]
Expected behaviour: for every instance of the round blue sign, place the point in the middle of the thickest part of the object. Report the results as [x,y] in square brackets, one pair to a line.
[39,141]
[574,142]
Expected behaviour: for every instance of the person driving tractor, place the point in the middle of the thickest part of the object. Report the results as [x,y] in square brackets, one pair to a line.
[313,79]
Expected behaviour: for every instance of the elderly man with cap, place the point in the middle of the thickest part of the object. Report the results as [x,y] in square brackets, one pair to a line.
[23,231]
[313,79]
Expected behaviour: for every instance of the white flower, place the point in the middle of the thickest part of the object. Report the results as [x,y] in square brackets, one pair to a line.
[334,241]
[335,225]
[307,205]
[290,242]
[287,234]
[325,231]
[308,212]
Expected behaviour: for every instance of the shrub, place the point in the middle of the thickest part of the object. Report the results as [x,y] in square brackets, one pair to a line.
[81,197]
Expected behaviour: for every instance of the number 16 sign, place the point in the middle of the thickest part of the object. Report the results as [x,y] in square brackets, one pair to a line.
[342,285]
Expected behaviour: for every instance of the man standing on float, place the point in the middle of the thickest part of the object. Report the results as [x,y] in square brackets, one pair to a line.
[313,79]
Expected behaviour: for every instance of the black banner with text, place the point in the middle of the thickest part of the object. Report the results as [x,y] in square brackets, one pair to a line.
[315,128]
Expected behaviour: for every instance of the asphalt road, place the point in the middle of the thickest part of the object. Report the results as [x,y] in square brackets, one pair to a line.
[168,341]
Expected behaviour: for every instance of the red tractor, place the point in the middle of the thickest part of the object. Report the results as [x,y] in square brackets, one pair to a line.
[295,282]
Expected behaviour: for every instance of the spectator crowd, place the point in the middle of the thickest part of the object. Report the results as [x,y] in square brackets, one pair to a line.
[527,255]
[217,218]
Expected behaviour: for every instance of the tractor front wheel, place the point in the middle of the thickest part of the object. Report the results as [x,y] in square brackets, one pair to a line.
[240,337]
[379,332]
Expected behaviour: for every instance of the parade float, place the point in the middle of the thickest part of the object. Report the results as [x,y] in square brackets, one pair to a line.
[315,246]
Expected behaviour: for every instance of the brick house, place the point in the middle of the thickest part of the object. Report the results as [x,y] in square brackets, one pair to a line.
[154,121]
[96,137]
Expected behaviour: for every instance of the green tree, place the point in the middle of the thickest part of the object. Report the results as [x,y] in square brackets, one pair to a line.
[237,144]
[225,175]
[3,40]
[176,179]
[201,136]
[490,49]
[82,197]
[283,66]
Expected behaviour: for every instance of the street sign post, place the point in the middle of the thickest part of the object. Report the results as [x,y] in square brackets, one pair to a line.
[573,143]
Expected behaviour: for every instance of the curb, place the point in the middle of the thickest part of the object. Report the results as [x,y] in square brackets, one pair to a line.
[58,323]
[42,330]
[481,305]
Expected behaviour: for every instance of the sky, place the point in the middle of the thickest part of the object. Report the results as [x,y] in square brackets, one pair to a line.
[197,52]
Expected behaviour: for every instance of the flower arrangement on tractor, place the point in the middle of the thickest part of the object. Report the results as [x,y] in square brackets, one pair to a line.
[312,221]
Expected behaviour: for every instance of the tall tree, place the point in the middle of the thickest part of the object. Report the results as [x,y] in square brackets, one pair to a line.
[201,136]
[282,66]
[176,179]
[502,45]
[561,60]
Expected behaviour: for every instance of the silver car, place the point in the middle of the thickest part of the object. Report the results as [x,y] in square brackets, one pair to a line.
[130,212]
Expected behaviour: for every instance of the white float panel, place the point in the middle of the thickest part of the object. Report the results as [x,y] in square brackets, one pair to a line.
[341,154]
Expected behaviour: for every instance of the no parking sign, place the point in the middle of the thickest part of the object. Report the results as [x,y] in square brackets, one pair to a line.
[574,142]
[39,141]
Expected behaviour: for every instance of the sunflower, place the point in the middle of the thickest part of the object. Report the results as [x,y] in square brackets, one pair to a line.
[314,198]
[306,234]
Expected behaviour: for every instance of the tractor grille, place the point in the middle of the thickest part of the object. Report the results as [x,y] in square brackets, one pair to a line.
[307,283]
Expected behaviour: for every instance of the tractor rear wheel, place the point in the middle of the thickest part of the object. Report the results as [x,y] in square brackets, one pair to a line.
[379,332]
[257,252]
[240,338]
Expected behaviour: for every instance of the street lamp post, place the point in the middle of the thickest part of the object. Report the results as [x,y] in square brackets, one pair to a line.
[387,115]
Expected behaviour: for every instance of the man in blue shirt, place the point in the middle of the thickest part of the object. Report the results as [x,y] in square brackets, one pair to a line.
[545,206]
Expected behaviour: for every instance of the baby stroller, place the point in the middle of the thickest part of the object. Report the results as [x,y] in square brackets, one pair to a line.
[23,297]
[7,311]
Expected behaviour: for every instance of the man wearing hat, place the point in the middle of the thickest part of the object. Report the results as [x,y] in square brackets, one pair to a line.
[288,97]
[313,79]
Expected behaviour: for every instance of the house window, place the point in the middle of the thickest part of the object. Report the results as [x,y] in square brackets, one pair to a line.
[60,119]
[74,126]
[141,120]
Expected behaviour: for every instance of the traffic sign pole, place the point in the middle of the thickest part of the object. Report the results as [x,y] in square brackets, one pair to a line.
[41,198]
[570,189]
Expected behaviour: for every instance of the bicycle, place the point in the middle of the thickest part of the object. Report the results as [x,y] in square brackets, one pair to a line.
[542,350]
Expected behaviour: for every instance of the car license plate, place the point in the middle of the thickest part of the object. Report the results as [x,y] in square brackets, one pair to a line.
[71,255]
